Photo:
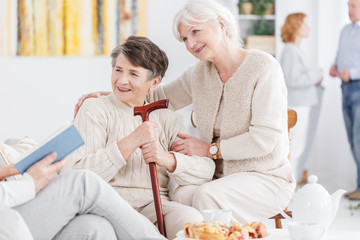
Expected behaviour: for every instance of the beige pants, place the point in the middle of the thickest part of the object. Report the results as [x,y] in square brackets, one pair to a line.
[175,216]
[250,196]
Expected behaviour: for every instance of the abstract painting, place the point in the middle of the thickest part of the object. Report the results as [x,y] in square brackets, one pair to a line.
[68,27]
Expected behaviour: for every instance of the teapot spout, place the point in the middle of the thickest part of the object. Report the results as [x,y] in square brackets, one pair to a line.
[335,199]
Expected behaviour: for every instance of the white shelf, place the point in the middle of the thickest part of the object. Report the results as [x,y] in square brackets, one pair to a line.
[255,17]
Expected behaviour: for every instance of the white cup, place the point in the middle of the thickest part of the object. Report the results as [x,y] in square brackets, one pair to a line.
[217,215]
[306,231]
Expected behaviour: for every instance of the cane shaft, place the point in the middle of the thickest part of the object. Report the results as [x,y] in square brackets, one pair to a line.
[144,112]
[157,199]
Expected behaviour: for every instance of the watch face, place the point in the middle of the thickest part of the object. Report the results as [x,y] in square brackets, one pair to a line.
[213,149]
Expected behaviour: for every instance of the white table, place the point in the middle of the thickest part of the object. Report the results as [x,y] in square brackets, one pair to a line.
[282,234]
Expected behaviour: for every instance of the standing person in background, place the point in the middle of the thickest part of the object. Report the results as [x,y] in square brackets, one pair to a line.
[239,97]
[347,68]
[303,82]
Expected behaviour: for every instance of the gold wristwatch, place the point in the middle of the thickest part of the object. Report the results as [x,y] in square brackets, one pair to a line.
[214,151]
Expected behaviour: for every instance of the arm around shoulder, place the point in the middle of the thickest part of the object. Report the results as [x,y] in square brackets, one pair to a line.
[178,91]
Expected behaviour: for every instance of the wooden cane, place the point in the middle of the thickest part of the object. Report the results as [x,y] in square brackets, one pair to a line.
[144,112]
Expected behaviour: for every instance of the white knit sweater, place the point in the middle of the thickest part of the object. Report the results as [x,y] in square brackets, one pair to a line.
[253,132]
[103,122]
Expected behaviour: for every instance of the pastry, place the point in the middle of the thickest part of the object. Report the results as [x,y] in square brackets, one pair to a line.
[208,231]
[251,231]
[260,229]
[218,231]
[239,235]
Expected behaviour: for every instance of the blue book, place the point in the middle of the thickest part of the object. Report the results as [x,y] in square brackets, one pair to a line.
[64,141]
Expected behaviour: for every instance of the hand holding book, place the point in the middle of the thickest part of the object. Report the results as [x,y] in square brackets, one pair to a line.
[43,171]
[63,142]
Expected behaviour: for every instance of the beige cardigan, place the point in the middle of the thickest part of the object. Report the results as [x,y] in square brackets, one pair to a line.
[104,121]
[253,133]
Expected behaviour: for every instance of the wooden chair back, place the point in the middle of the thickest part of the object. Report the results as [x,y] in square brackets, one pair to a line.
[292,119]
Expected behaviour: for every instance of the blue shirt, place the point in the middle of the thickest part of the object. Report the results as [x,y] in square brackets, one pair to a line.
[348,55]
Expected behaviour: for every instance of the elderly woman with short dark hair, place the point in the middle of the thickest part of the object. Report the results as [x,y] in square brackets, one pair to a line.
[118,146]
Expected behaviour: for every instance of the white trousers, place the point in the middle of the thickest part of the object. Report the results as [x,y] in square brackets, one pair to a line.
[80,205]
[96,228]
[250,196]
[12,225]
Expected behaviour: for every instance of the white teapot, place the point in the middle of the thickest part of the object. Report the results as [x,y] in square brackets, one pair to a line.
[313,204]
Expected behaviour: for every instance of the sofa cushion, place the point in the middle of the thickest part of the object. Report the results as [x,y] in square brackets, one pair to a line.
[12,149]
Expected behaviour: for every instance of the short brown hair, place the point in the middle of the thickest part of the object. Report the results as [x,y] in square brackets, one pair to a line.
[291,26]
[140,51]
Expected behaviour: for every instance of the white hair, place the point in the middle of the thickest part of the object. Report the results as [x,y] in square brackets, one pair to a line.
[201,11]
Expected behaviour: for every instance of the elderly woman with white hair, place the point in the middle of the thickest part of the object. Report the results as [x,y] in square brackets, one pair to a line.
[240,101]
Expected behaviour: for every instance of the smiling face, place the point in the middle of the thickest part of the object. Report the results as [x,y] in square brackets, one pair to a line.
[202,40]
[354,10]
[130,83]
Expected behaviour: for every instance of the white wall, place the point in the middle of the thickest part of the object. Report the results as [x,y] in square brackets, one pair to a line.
[37,95]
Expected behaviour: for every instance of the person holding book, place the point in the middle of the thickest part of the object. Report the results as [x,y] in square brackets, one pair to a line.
[77,205]
[118,146]
[240,103]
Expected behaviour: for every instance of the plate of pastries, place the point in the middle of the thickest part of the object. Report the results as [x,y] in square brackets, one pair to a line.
[219,231]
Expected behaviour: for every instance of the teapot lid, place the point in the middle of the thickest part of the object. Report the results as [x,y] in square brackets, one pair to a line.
[312,187]
[312,179]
